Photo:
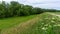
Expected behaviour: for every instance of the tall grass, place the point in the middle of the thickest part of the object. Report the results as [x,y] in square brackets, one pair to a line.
[47,24]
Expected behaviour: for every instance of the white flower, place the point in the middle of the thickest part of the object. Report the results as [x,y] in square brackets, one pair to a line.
[53,18]
[44,28]
[57,25]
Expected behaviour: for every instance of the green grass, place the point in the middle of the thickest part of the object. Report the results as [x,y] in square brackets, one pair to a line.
[13,21]
[47,24]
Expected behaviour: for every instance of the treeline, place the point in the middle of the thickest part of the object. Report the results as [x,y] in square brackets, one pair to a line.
[16,9]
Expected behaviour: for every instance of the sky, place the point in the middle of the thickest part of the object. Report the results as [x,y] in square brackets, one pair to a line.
[48,4]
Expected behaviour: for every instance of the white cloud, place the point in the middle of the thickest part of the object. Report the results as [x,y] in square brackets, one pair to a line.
[40,3]
[53,4]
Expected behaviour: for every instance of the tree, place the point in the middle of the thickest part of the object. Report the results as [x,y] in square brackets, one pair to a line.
[16,9]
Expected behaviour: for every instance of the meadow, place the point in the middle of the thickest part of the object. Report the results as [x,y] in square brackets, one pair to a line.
[13,21]
[45,24]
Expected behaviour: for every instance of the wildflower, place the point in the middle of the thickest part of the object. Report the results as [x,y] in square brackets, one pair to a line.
[53,18]
[44,28]
[57,25]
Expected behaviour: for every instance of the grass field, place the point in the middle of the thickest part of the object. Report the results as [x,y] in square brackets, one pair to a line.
[13,21]
[45,23]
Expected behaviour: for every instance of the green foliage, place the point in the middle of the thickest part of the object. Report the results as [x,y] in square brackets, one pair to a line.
[37,10]
[16,9]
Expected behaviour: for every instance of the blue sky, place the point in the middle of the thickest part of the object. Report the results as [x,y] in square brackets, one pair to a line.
[48,4]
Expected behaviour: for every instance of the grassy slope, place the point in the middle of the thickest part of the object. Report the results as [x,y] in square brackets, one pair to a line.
[46,24]
[21,27]
[13,21]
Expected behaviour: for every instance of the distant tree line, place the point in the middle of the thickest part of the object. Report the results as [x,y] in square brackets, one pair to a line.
[16,9]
